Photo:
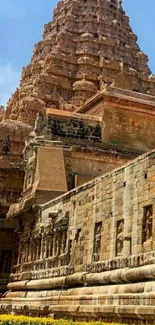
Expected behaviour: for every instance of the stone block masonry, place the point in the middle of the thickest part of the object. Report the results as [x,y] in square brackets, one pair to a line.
[83,252]
[86,45]
[93,251]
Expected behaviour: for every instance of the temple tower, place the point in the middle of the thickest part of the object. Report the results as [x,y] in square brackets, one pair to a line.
[88,43]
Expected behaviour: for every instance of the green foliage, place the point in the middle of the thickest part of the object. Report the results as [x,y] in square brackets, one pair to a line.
[24,320]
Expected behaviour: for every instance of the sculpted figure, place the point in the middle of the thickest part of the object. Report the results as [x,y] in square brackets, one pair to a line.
[120,238]
[40,123]
[97,239]
[148,228]
[102,83]
[63,242]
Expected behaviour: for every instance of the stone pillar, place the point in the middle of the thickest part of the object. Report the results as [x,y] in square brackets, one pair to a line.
[35,250]
[29,252]
[27,249]
[46,247]
[32,248]
[63,242]
[43,248]
[26,252]
[23,255]
[51,239]
[55,244]
[127,245]
[38,247]
[59,242]
[20,253]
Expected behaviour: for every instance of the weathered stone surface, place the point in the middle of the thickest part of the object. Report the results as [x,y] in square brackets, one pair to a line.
[91,248]
[85,46]
[83,252]
[128,117]
[12,137]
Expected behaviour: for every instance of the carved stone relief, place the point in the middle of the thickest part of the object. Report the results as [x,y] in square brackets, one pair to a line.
[147,223]
[97,241]
[120,238]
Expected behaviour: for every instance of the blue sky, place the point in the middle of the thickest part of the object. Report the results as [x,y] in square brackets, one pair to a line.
[21,25]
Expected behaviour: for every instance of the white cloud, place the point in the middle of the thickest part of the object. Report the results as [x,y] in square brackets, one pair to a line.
[9,80]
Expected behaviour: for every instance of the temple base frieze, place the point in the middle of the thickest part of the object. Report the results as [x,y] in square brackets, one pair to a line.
[127,303]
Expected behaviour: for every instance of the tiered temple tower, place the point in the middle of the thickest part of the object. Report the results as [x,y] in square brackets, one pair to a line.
[90,83]
[88,43]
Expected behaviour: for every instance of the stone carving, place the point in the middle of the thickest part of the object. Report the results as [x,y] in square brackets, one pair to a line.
[97,241]
[63,242]
[120,238]
[69,270]
[12,137]
[75,129]
[87,49]
[102,83]
[40,123]
[65,69]
[147,223]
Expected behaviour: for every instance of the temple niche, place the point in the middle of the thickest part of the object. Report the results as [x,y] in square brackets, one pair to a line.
[57,244]
[147,230]
[97,241]
[120,238]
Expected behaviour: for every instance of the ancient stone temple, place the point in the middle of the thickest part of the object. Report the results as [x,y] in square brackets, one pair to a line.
[87,253]
[87,44]
[77,201]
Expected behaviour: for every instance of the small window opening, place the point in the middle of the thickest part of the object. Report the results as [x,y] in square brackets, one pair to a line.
[77,235]
[145,175]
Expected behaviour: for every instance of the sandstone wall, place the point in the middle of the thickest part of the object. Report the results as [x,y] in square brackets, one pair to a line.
[86,152]
[129,129]
[121,194]
[128,117]
[94,255]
